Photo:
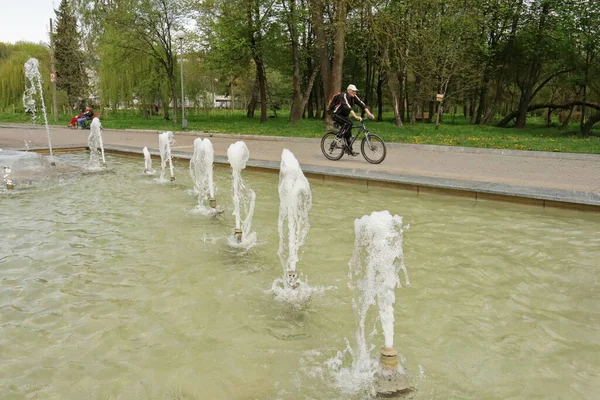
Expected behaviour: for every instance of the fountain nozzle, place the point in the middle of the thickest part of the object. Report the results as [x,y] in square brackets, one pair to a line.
[212,203]
[389,382]
[291,278]
[52,163]
[172,179]
[10,186]
[237,234]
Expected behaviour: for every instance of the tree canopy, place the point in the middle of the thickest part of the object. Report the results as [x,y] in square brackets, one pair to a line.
[489,59]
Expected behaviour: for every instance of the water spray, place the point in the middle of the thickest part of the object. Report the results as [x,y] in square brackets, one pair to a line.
[7,181]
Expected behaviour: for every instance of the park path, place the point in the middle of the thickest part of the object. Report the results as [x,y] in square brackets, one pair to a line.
[534,172]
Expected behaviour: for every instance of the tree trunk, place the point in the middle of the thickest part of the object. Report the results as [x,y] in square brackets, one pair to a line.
[331,71]
[174,99]
[322,47]
[393,85]
[262,88]
[482,100]
[380,81]
[431,111]
[533,107]
[587,127]
[253,100]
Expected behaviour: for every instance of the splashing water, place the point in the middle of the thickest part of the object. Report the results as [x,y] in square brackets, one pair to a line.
[96,145]
[8,183]
[201,171]
[374,274]
[147,162]
[33,87]
[165,143]
[295,201]
[244,198]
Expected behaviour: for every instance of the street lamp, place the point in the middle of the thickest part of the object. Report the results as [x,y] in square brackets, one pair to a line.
[179,35]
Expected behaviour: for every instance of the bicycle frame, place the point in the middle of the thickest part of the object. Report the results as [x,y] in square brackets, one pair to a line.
[361,129]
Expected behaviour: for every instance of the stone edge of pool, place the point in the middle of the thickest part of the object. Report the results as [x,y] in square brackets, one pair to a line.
[475,190]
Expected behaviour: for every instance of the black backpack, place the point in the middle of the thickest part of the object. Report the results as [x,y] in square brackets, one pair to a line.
[334,102]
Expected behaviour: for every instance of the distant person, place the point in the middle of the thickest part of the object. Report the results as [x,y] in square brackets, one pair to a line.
[87,115]
[342,108]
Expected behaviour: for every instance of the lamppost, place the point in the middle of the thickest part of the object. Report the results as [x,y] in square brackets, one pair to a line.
[180,35]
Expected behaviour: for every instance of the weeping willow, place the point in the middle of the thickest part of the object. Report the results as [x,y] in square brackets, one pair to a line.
[129,79]
[12,72]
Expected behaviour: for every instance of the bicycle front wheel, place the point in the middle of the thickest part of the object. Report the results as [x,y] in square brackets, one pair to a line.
[332,147]
[373,149]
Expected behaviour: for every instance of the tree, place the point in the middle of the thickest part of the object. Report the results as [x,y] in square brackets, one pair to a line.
[144,28]
[12,77]
[329,21]
[299,97]
[70,70]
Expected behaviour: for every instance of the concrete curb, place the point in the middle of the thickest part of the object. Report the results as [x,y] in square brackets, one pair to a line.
[501,190]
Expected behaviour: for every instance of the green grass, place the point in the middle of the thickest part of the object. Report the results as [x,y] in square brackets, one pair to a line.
[536,136]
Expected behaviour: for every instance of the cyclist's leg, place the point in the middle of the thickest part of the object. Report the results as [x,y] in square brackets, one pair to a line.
[336,118]
[346,124]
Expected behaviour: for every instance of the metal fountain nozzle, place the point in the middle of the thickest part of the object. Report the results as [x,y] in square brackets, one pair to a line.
[389,382]
[172,179]
[237,234]
[389,359]
[212,203]
[10,186]
[292,278]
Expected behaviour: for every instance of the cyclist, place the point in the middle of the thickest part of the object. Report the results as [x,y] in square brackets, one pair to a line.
[344,102]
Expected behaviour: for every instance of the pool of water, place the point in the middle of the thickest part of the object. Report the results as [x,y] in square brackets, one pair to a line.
[111,288]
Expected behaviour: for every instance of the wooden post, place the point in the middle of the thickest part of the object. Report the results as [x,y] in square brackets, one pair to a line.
[53,74]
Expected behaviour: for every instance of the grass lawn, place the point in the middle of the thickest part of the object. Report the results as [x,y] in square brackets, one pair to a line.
[452,132]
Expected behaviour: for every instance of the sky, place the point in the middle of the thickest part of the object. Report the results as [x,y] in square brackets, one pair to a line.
[26,20]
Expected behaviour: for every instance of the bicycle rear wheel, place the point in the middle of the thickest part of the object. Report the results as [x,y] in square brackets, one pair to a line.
[373,148]
[332,147]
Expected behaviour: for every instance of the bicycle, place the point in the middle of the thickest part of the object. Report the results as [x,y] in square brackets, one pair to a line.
[372,146]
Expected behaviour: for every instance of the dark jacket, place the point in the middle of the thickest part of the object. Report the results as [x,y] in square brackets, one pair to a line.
[88,114]
[346,104]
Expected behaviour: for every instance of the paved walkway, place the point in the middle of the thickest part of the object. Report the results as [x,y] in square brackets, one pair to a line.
[571,178]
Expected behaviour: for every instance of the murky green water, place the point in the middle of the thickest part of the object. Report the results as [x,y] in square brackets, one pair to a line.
[111,289]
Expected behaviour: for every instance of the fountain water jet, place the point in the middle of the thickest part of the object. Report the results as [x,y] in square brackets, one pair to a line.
[295,201]
[201,171]
[165,143]
[7,181]
[96,145]
[244,198]
[33,86]
[147,162]
[374,274]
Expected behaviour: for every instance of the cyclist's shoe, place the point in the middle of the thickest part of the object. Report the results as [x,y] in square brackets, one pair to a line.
[350,152]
